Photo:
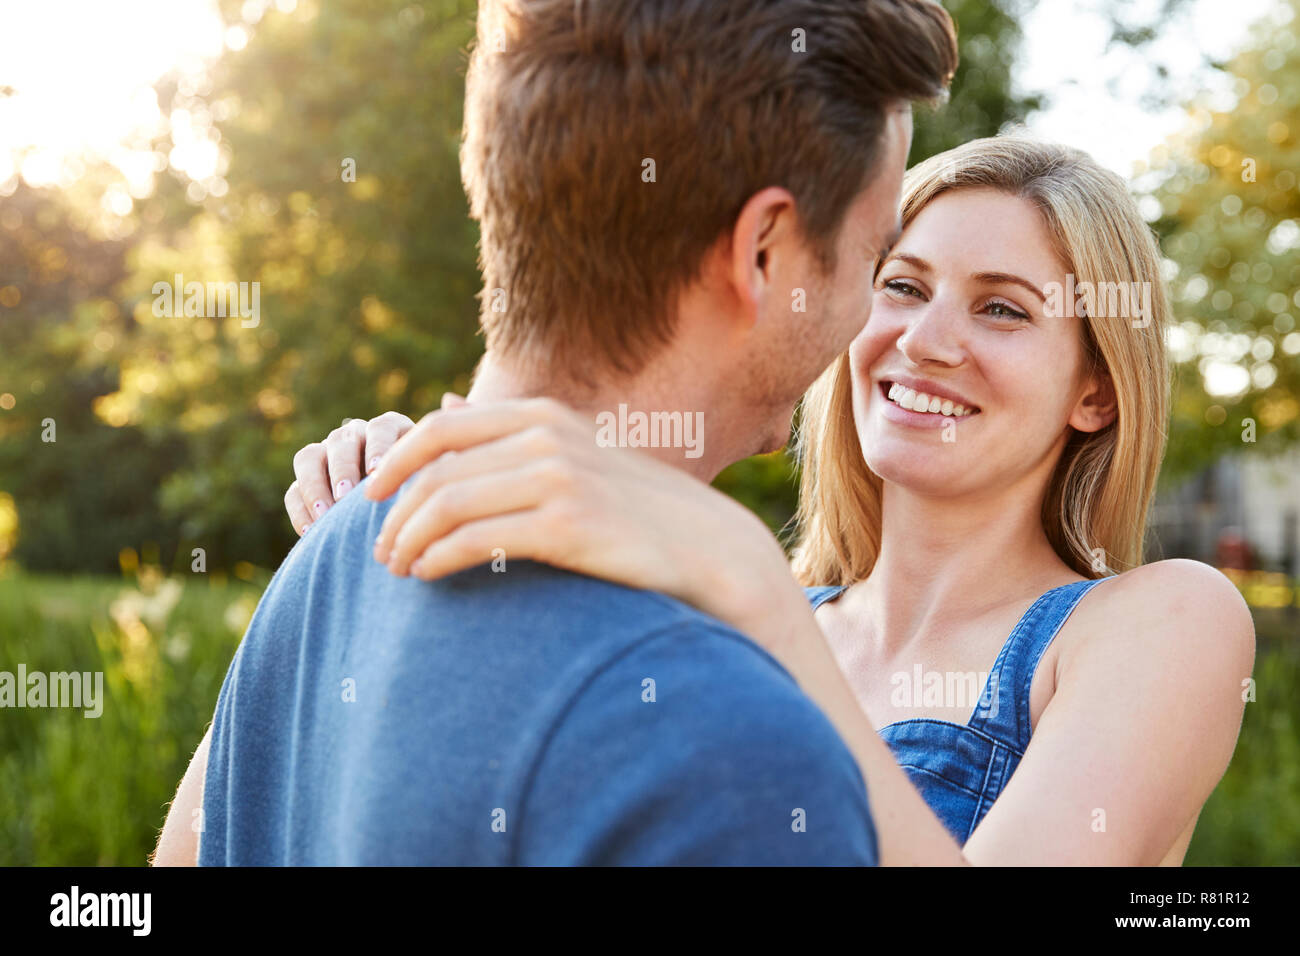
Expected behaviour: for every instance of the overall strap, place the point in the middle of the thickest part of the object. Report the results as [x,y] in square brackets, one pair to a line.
[1003,709]
[820,595]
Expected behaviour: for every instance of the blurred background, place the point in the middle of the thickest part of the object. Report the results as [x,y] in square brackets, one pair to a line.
[143,459]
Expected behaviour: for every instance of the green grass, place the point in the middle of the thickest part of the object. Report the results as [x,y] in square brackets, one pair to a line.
[76,790]
[93,791]
[1253,816]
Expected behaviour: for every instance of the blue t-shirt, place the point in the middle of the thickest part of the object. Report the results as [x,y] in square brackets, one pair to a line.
[526,716]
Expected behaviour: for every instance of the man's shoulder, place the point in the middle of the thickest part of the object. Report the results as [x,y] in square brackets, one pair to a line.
[583,644]
[511,619]
[582,702]
[503,595]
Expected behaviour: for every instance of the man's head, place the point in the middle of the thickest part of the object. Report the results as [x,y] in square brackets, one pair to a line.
[633,161]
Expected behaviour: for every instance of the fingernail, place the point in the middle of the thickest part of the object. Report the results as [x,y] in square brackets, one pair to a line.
[320,508]
[374,463]
[343,488]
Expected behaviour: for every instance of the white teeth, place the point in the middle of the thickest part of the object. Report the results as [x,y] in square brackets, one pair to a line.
[913,400]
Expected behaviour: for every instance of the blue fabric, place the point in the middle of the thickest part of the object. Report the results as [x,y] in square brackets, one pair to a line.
[960,769]
[500,718]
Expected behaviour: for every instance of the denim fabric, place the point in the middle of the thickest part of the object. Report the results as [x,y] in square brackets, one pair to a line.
[960,769]
[525,717]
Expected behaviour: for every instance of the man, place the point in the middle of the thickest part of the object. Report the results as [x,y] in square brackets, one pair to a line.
[681,204]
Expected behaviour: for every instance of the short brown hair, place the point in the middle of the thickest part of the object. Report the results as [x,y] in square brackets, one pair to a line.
[582,258]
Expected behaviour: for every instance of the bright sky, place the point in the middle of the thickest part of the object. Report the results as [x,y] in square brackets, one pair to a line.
[81,69]
[1096,105]
[82,74]
[1095,94]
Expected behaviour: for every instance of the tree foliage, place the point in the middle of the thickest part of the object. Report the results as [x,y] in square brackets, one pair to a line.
[62,333]
[1229,217]
[344,204]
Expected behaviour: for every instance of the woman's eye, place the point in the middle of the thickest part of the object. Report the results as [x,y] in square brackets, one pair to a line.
[901,287]
[1002,310]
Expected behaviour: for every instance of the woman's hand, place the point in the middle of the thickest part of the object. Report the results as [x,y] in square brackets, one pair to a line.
[326,471]
[527,479]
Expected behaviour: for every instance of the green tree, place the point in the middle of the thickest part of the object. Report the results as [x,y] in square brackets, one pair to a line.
[1229,217]
[982,100]
[82,488]
[338,127]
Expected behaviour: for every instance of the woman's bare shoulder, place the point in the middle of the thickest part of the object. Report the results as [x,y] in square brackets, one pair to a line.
[1172,607]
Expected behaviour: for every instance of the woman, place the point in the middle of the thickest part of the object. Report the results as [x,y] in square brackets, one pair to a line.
[977,471]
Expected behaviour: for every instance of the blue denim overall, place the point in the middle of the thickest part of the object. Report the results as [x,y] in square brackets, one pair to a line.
[961,768]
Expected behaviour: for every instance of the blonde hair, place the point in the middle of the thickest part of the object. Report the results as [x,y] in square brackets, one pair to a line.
[1100,492]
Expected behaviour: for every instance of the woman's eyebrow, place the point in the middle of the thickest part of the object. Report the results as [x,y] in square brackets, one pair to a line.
[999,277]
[912,260]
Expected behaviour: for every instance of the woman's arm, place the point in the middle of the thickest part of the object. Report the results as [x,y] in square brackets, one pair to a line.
[178,844]
[1140,728]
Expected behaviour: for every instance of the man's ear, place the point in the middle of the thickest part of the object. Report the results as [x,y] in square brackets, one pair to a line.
[1097,406]
[765,227]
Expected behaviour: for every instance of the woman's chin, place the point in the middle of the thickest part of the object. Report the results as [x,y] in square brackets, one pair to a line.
[927,471]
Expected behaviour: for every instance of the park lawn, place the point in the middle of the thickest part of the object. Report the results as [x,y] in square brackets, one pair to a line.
[76,790]
[1253,816]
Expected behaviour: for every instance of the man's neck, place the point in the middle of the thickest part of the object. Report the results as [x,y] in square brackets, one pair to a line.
[703,449]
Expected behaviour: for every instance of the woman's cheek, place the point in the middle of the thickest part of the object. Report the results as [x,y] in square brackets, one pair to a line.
[872,342]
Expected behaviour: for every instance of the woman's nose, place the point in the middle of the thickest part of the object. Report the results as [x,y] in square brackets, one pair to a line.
[933,335]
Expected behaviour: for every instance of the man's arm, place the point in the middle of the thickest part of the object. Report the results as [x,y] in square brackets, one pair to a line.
[693,748]
[179,843]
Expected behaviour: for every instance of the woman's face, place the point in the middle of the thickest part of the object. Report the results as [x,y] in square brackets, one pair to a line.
[960,325]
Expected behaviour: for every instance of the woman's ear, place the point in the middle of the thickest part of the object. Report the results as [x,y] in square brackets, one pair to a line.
[1096,407]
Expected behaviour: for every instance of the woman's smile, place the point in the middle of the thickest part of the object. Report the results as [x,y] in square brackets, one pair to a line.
[921,405]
